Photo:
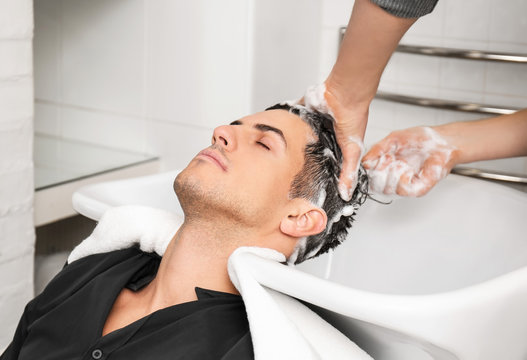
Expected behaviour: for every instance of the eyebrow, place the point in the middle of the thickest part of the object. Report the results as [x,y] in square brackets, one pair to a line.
[264,128]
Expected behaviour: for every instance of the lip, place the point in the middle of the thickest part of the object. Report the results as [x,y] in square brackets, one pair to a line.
[208,153]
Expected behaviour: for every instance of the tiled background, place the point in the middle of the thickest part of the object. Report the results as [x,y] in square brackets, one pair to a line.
[17,235]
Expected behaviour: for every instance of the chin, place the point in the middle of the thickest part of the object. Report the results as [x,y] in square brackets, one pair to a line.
[188,184]
[210,201]
[197,193]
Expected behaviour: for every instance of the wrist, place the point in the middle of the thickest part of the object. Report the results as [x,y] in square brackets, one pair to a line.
[450,133]
[351,118]
[349,98]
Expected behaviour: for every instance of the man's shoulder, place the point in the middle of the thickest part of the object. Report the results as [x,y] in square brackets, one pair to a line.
[242,350]
[78,273]
[108,258]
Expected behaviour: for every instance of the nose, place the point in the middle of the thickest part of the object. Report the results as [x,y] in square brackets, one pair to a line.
[224,137]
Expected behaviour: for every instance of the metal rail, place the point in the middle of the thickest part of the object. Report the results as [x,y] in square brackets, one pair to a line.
[463,54]
[457,53]
[456,105]
[445,104]
[490,175]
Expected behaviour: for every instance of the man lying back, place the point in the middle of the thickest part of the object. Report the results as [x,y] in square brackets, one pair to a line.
[268,180]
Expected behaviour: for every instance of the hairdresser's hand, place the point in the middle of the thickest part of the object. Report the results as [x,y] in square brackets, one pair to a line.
[350,125]
[409,162]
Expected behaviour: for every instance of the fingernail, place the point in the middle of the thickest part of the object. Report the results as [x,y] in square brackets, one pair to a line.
[344,192]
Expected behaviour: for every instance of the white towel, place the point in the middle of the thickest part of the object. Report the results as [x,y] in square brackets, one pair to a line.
[123,226]
[281,326]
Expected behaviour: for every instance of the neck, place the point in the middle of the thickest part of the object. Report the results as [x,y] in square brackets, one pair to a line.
[195,257]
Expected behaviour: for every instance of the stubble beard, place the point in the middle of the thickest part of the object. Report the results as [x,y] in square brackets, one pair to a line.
[200,204]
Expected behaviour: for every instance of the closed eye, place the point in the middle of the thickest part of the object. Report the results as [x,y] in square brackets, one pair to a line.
[262,144]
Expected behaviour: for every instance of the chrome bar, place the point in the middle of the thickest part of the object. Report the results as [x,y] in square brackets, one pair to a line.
[459,106]
[490,175]
[445,104]
[463,54]
[456,53]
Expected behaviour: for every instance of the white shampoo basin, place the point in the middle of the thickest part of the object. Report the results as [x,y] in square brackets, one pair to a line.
[439,277]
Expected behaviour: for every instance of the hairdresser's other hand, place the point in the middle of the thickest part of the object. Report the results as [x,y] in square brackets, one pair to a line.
[350,125]
[409,162]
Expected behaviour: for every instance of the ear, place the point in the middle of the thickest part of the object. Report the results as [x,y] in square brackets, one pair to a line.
[303,220]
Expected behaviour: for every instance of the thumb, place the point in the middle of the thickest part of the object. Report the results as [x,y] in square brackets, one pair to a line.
[352,153]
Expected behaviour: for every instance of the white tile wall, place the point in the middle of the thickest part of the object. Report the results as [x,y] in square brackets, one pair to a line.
[459,14]
[173,67]
[335,14]
[47,47]
[197,66]
[462,95]
[19,63]
[48,119]
[329,40]
[223,61]
[470,24]
[109,73]
[505,100]
[446,116]
[16,167]
[507,79]
[182,141]
[102,128]
[15,97]
[458,74]
[102,54]
[417,70]
[431,26]
[285,50]
[18,145]
[508,23]
[16,19]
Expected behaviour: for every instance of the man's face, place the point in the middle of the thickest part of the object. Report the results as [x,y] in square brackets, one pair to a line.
[246,174]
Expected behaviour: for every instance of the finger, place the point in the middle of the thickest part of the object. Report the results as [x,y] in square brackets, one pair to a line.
[395,171]
[314,98]
[418,187]
[403,183]
[385,146]
[377,181]
[431,172]
[434,170]
[300,101]
[436,166]
[350,167]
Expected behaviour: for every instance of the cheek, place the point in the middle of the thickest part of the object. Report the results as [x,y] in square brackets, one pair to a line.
[269,187]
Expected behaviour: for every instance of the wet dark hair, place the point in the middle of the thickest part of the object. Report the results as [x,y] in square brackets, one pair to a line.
[318,181]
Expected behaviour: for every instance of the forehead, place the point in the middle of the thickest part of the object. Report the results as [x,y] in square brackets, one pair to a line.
[296,131]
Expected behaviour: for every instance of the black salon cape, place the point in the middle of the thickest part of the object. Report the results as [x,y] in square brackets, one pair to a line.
[66,320]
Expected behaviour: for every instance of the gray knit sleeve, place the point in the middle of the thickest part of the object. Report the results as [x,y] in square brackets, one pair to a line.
[407,8]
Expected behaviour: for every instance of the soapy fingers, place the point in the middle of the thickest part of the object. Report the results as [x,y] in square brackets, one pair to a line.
[409,162]
[349,131]
[352,150]
[433,170]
